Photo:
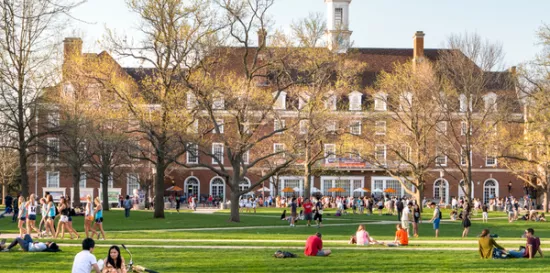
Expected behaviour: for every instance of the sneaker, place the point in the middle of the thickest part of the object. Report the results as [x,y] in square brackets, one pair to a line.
[5,250]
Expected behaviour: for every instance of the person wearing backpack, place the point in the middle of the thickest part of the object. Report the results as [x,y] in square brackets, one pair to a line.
[127,206]
[436,218]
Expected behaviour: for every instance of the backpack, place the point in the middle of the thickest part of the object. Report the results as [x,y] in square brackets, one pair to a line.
[284,254]
[127,204]
[440,216]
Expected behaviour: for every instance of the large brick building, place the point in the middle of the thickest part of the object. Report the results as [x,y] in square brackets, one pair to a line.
[490,179]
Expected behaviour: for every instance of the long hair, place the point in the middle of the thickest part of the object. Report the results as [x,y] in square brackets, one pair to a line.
[361,227]
[484,233]
[116,263]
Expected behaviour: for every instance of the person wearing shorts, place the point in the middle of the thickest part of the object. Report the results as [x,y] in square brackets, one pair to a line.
[88,215]
[98,219]
[485,214]
[308,211]
[436,218]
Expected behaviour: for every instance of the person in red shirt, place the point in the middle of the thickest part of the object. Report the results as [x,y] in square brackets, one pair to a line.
[308,211]
[401,237]
[314,246]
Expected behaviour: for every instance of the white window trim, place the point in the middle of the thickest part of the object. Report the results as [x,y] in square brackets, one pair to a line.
[488,99]
[218,103]
[330,102]
[405,101]
[487,160]
[328,157]
[246,157]
[441,128]
[303,127]
[212,184]
[49,156]
[48,185]
[279,124]
[214,145]
[53,119]
[332,126]
[85,180]
[376,152]
[196,148]
[462,156]
[128,177]
[438,154]
[380,103]
[380,124]
[355,124]
[221,128]
[280,104]
[191,100]
[355,101]
[282,147]
[464,128]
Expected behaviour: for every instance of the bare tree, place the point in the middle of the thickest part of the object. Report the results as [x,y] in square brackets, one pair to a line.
[310,31]
[406,128]
[476,101]
[527,152]
[177,35]
[9,167]
[239,96]
[26,69]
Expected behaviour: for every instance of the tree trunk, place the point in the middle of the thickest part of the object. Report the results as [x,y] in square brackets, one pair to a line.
[159,189]
[235,216]
[307,180]
[419,195]
[105,190]
[76,189]
[545,199]
[24,174]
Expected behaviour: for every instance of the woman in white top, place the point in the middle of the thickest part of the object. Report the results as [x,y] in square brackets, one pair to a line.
[32,207]
[88,216]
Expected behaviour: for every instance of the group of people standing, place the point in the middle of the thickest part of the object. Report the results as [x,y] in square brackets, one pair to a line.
[28,209]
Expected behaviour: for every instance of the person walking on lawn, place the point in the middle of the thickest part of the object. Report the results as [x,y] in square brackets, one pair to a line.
[400,206]
[293,212]
[308,211]
[128,205]
[436,218]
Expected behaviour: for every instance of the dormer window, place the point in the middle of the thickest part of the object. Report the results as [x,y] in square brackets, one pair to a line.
[462,99]
[330,102]
[218,103]
[405,101]
[380,99]
[303,101]
[490,101]
[280,103]
[355,101]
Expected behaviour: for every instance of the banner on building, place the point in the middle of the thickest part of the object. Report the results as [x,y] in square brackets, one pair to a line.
[112,194]
[83,193]
[56,193]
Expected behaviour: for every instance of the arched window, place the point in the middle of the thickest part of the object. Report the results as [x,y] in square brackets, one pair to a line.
[192,186]
[441,190]
[490,190]
[217,187]
[245,184]
[461,192]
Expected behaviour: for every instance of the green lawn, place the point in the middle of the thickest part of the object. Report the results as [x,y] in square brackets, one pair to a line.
[175,229]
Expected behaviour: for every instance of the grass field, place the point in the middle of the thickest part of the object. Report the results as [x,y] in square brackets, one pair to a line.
[191,242]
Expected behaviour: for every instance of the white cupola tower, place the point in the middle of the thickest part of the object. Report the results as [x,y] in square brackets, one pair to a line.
[338,33]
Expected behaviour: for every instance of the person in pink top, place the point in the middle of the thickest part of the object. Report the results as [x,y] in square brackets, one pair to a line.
[362,237]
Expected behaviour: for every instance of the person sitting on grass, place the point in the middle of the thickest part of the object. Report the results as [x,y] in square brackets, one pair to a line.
[542,218]
[401,238]
[114,263]
[314,246]
[453,215]
[26,243]
[531,249]
[488,247]
[362,237]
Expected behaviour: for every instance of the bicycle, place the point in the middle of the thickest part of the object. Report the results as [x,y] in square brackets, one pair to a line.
[136,268]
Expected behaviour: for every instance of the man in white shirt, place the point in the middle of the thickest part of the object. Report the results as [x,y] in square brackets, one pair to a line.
[454,203]
[85,261]
[406,217]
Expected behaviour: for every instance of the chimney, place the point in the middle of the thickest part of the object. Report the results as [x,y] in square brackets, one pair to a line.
[512,70]
[418,46]
[262,38]
[72,47]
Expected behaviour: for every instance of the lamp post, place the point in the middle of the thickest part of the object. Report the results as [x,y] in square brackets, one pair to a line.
[440,185]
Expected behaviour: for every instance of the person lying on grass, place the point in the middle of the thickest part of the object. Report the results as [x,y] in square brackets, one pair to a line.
[488,247]
[26,243]
[362,237]
[401,238]
[314,246]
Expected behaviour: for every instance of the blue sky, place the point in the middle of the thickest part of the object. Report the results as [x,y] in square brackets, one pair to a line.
[375,23]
